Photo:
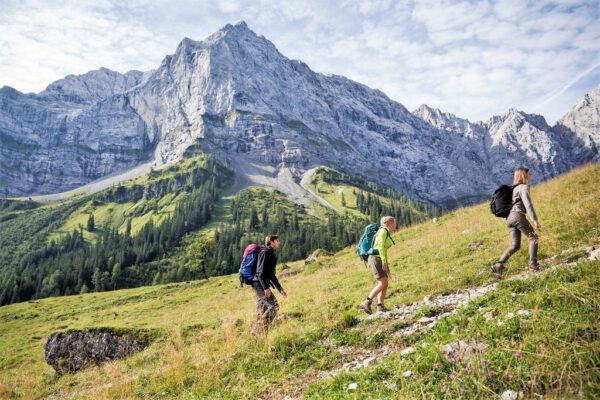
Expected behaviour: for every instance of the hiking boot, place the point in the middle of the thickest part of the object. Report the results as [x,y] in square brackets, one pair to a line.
[498,269]
[382,308]
[366,306]
[534,267]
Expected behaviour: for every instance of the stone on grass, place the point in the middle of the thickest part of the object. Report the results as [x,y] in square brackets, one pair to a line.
[460,349]
[475,245]
[511,395]
[407,374]
[523,313]
[407,351]
[352,386]
[70,351]
[368,361]
[594,255]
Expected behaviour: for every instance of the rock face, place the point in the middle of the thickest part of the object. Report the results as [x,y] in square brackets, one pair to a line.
[235,96]
[69,352]
[582,125]
[75,131]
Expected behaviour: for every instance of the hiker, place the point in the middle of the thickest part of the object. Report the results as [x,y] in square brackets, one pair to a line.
[379,264]
[518,224]
[266,303]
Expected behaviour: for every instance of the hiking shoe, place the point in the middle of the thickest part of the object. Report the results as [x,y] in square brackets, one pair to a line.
[366,306]
[534,267]
[498,269]
[382,308]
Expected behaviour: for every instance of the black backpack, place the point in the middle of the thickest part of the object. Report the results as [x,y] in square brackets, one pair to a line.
[501,202]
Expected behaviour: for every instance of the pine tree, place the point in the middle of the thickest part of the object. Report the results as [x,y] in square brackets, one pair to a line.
[116,275]
[90,223]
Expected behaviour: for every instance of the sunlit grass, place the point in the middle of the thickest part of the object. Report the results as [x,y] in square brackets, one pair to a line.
[206,348]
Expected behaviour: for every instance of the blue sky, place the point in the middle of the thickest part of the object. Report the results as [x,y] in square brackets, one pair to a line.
[472,58]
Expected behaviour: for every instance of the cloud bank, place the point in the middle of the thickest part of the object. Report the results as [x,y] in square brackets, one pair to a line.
[474,59]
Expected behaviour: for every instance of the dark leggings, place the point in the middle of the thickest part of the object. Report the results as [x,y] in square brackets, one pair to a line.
[517,225]
[266,308]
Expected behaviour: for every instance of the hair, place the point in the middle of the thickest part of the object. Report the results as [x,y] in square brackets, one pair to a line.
[270,239]
[387,219]
[521,176]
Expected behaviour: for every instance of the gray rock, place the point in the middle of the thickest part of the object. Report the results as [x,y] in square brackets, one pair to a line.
[369,361]
[511,395]
[234,92]
[594,255]
[475,246]
[460,349]
[407,351]
[69,352]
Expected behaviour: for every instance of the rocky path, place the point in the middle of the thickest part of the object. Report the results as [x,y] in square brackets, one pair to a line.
[447,304]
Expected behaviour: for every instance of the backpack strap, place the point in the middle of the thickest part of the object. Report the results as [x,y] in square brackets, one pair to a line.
[388,235]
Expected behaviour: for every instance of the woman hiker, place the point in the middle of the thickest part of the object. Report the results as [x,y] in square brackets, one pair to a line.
[266,303]
[379,264]
[518,224]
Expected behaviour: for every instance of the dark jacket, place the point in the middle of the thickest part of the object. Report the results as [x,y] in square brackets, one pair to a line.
[265,269]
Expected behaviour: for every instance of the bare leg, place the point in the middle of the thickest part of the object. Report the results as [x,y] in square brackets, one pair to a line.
[381,296]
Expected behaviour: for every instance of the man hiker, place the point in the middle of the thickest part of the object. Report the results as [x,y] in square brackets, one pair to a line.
[266,303]
[379,264]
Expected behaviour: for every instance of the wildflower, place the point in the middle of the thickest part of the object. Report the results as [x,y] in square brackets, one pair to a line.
[491,373]
[462,390]
[517,356]
[534,374]
[468,371]
[436,365]
[452,377]
[510,377]
[484,363]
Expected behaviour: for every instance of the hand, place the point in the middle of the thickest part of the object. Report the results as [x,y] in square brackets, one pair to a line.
[268,293]
[284,294]
[386,269]
[538,226]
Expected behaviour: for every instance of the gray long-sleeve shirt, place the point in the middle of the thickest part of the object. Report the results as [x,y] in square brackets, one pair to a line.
[525,206]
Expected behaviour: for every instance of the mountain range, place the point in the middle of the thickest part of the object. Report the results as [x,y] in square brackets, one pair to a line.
[235,96]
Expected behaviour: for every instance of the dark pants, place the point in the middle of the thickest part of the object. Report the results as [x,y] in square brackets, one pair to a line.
[517,225]
[266,308]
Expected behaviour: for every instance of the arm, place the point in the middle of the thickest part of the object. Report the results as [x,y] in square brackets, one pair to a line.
[275,282]
[260,270]
[526,198]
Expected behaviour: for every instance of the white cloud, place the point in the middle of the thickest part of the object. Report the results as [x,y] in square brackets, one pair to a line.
[474,59]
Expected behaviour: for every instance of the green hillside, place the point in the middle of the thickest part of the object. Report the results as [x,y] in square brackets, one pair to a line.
[171,225]
[204,348]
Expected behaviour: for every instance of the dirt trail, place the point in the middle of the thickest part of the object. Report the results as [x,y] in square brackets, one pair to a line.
[100,184]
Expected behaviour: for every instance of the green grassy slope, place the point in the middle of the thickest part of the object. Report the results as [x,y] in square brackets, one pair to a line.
[206,350]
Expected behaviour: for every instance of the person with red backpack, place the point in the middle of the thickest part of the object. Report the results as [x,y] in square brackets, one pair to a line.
[378,261]
[262,280]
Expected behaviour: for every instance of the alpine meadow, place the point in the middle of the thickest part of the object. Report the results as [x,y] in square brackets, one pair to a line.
[228,223]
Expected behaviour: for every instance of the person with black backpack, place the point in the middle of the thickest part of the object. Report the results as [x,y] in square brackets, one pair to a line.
[265,279]
[516,220]
[378,261]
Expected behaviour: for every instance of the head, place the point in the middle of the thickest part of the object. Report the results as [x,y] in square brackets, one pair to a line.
[389,222]
[522,176]
[273,241]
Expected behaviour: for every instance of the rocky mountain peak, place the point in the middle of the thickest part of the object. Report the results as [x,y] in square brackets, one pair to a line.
[92,86]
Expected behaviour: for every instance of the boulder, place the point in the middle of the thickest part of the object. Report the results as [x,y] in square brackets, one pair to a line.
[71,351]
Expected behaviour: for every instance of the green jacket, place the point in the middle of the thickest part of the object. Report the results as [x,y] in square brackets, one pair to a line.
[383,241]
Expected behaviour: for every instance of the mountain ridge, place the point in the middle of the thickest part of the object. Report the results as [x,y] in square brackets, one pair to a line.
[234,95]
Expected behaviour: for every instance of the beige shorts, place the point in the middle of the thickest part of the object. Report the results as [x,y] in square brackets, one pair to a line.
[377,267]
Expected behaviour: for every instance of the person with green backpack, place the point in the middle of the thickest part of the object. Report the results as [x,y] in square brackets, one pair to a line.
[378,262]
